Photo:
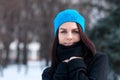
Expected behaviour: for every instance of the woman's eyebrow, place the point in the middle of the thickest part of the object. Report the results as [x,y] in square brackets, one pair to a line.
[62,29]
[75,29]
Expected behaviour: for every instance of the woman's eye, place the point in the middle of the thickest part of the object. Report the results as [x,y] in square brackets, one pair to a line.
[62,31]
[75,31]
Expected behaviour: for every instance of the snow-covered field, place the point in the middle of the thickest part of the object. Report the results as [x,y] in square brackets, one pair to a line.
[32,72]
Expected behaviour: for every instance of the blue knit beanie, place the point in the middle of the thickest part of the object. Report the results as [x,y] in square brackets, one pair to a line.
[69,15]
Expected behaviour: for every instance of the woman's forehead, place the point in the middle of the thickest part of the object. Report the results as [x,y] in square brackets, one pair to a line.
[68,25]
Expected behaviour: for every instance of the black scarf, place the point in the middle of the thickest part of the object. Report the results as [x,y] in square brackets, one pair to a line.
[65,52]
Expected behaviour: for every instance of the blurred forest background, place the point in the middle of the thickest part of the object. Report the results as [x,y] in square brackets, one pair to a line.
[26,23]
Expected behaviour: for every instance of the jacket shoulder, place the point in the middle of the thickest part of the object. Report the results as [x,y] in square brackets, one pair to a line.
[101,58]
[47,74]
[46,70]
[101,55]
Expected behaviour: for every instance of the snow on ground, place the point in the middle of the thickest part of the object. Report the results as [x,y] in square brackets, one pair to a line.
[33,72]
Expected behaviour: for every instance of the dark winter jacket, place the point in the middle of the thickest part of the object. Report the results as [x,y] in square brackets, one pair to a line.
[94,68]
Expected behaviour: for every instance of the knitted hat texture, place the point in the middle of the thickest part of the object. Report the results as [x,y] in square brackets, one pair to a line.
[68,15]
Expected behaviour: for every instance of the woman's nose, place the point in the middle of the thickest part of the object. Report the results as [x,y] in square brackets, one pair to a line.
[69,36]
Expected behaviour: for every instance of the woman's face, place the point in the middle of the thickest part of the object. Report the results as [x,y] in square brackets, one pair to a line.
[68,34]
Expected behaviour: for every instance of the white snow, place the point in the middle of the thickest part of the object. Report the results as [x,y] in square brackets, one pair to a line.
[32,72]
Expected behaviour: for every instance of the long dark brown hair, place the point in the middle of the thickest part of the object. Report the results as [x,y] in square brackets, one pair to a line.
[85,41]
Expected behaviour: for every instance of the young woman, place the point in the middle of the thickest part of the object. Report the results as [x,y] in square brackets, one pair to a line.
[74,56]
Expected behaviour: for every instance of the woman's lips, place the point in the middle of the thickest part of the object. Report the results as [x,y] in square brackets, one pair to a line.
[68,44]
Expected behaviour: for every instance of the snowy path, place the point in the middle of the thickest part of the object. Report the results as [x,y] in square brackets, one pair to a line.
[34,72]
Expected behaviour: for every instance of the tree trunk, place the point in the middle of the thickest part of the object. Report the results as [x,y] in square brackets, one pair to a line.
[25,54]
[18,54]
